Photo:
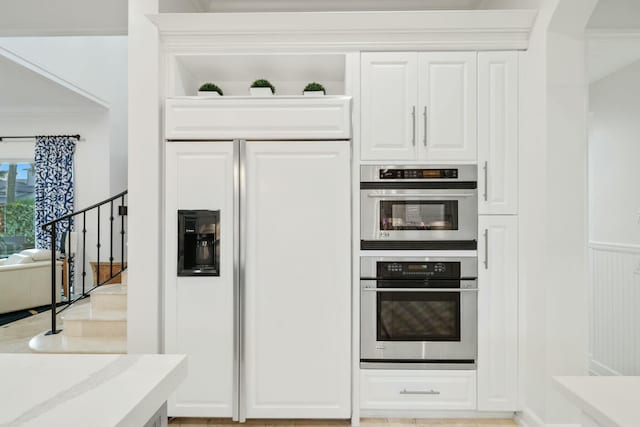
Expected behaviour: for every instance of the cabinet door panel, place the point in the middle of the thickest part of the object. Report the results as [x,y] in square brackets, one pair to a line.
[498,313]
[447,129]
[199,310]
[297,280]
[498,132]
[389,103]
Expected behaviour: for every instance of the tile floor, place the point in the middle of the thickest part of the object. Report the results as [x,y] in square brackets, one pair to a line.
[365,422]
[15,336]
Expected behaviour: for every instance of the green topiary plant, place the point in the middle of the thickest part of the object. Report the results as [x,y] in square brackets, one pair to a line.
[263,83]
[210,87]
[314,87]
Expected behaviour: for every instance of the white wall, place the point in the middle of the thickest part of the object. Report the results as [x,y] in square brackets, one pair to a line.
[553,200]
[90,169]
[614,228]
[614,152]
[97,65]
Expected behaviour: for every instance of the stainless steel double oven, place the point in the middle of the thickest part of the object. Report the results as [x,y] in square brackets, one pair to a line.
[418,310]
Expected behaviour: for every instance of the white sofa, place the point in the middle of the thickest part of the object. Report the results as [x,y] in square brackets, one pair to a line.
[25,280]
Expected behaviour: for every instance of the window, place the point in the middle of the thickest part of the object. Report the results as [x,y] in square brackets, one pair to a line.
[17,230]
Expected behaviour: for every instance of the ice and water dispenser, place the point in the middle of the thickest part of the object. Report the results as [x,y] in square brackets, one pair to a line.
[198,243]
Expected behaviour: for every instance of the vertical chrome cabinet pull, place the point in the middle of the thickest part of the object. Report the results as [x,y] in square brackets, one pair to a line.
[413,127]
[433,392]
[424,137]
[486,181]
[486,248]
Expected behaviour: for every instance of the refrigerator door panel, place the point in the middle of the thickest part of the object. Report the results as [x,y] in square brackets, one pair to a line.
[199,313]
[296,281]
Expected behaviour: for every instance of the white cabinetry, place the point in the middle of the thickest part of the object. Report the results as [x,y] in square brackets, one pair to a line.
[417,390]
[498,132]
[244,117]
[389,105]
[448,102]
[498,313]
[419,106]
[297,280]
[199,310]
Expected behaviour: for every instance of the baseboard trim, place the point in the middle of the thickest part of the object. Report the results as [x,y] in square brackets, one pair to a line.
[459,414]
[528,418]
[600,369]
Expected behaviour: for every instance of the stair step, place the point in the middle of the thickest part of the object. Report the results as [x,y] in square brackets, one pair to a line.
[84,321]
[124,277]
[61,343]
[109,297]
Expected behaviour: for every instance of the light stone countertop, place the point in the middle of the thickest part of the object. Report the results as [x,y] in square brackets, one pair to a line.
[85,390]
[610,401]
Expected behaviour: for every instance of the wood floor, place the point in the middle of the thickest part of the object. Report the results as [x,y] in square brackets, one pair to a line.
[365,422]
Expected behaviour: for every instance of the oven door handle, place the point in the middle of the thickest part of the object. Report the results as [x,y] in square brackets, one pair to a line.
[420,195]
[419,290]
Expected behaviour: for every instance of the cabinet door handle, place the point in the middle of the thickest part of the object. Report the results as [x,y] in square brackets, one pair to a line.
[413,127]
[432,392]
[426,128]
[486,248]
[486,181]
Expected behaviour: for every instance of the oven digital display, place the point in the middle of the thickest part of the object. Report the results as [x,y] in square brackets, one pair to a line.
[419,270]
[419,174]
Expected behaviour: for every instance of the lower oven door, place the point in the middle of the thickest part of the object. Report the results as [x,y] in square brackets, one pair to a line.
[419,215]
[419,325]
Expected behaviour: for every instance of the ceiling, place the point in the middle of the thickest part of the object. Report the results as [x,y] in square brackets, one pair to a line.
[27,89]
[619,14]
[63,17]
[333,5]
[613,37]
[222,6]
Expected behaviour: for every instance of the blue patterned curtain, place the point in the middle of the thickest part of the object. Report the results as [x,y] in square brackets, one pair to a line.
[54,189]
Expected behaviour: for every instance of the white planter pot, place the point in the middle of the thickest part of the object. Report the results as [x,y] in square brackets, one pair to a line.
[313,93]
[208,93]
[260,91]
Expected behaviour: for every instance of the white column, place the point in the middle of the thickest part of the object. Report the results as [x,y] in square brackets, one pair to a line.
[144,244]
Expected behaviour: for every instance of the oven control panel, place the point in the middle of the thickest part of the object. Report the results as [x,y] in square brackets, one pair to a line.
[419,270]
[418,174]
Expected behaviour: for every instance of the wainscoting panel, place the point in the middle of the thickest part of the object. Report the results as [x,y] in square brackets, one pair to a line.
[614,309]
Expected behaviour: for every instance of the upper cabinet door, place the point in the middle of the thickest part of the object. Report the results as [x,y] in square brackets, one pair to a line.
[498,132]
[448,102]
[389,105]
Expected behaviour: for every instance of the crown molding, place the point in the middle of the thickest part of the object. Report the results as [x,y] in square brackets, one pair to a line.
[599,35]
[347,31]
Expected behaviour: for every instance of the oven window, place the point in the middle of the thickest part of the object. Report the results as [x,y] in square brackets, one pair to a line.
[419,215]
[419,316]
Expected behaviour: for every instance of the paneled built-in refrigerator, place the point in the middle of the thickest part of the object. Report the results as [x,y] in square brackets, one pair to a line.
[270,337]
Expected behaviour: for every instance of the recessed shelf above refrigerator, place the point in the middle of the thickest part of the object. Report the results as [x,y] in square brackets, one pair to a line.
[234,73]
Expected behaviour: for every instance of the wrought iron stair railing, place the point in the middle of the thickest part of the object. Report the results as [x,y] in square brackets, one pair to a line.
[65,224]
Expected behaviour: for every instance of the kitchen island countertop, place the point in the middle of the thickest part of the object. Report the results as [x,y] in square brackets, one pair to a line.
[86,390]
[609,401]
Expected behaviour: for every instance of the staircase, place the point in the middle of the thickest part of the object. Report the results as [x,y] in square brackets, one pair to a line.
[98,325]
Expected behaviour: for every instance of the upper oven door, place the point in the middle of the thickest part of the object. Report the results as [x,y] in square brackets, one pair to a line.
[419,214]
